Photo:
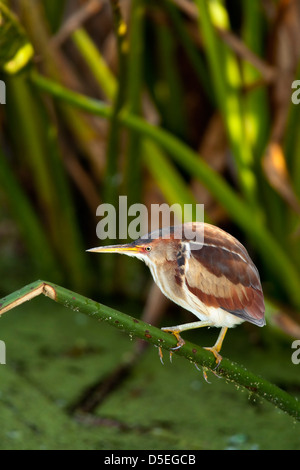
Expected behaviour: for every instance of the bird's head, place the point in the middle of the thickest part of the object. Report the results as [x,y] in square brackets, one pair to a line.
[155,248]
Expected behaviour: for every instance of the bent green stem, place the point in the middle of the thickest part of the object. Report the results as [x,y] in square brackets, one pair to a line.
[229,370]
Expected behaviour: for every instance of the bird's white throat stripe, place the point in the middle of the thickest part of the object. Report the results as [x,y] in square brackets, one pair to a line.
[158,279]
[188,249]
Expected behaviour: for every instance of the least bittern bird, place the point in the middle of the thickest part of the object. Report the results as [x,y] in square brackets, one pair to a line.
[215,279]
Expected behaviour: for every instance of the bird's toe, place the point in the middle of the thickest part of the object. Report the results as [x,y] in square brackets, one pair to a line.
[175,332]
[217,355]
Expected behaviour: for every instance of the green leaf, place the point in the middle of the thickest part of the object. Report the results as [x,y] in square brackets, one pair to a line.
[15,48]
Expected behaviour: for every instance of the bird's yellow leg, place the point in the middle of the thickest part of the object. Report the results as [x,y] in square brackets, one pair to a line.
[180,341]
[176,330]
[218,345]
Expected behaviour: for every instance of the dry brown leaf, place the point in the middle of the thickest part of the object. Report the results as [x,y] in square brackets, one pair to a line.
[213,150]
[275,169]
[286,324]
[284,54]
[57,66]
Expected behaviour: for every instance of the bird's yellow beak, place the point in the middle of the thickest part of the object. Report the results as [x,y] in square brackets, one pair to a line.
[123,249]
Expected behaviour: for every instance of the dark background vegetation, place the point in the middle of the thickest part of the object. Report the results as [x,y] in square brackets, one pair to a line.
[215,79]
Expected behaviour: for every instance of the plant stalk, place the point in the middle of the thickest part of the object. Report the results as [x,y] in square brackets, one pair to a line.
[229,370]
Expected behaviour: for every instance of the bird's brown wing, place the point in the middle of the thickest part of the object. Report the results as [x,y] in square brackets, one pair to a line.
[223,278]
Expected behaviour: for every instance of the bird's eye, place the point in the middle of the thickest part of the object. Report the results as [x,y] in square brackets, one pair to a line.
[148,248]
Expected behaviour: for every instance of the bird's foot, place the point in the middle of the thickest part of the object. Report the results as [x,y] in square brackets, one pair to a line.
[218,356]
[175,332]
[161,357]
[204,369]
[204,372]
[180,342]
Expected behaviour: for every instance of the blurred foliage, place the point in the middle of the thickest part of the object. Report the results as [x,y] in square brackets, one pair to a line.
[15,48]
[198,96]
